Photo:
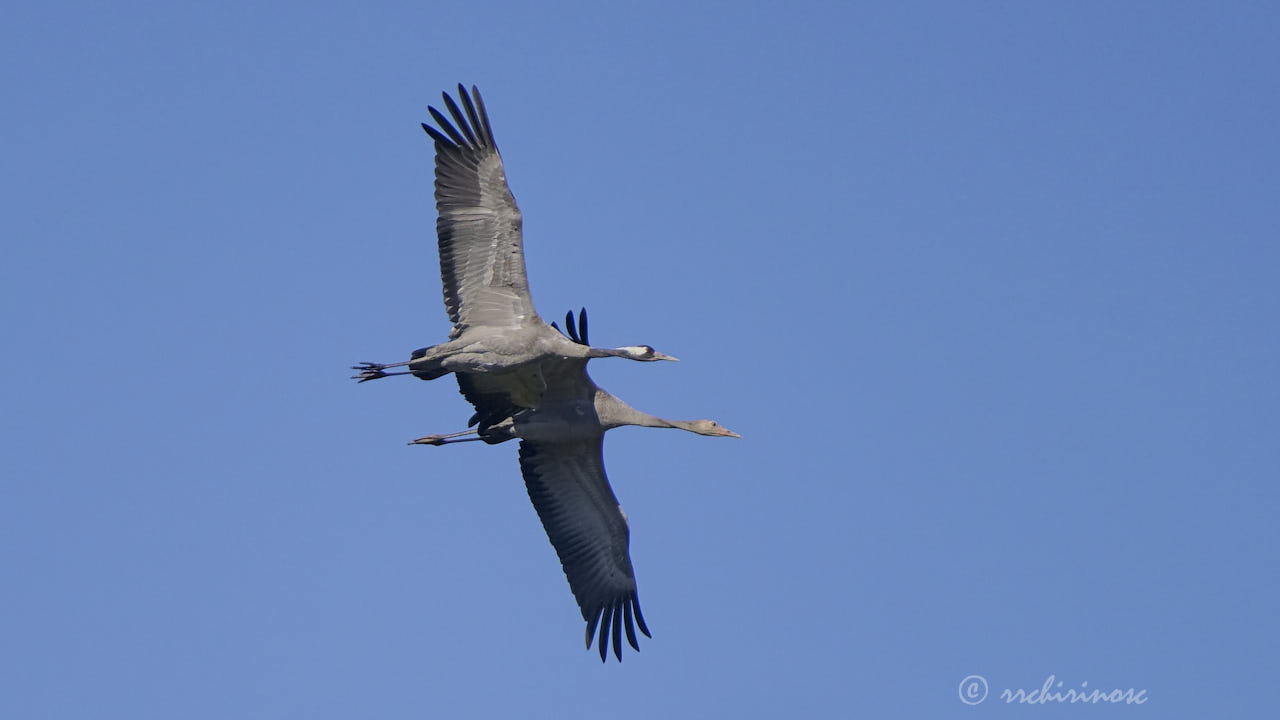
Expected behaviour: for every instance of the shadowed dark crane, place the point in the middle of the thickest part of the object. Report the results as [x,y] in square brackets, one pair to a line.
[562,461]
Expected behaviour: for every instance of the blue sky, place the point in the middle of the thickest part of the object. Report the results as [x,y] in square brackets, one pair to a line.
[989,291]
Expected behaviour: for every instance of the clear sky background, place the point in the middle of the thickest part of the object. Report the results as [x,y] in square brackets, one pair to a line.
[990,292]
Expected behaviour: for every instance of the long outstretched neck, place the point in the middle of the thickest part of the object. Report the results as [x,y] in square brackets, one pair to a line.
[647,420]
[616,413]
[643,353]
[595,352]
[700,427]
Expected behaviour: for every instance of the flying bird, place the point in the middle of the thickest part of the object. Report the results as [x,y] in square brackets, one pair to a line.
[562,461]
[525,379]
[496,330]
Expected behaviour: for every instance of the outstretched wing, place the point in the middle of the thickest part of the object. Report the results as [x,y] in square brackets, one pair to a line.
[479,224]
[568,487]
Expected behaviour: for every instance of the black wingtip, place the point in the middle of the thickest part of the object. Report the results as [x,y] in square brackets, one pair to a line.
[617,634]
[629,624]
[484,138]
[606,621]
[470,126]
[613,620]
[436,136]
[575,330]
[485,127]
[457,138]
[591,623]
[571,327]
[635,603]
[460,120]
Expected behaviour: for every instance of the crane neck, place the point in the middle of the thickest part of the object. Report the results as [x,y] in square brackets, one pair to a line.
[616,413]
[595,352]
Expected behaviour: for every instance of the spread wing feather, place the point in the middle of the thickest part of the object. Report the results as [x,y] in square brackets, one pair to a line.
[567,484]
[479,225]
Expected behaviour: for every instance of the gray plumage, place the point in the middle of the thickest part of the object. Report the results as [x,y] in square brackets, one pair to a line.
[524,378]
[562,461]
[496,330]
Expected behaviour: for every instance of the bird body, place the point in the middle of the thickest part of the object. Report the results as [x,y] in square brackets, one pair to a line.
[524,378]
[565,413]
[562,462]
[479,231]
[487,349]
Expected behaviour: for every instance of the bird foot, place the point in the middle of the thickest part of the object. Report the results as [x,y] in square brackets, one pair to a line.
[369,371]
[429,440]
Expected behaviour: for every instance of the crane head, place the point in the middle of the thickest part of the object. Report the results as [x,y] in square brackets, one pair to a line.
[644,353]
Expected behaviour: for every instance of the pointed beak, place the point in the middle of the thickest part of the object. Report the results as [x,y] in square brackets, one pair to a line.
[726,432]
[661,356]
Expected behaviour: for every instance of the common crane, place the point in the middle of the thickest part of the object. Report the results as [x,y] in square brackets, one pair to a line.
[496,331]
[562,461]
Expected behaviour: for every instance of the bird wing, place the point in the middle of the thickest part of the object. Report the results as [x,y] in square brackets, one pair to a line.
[569,489]
[498,396]
[479,224]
